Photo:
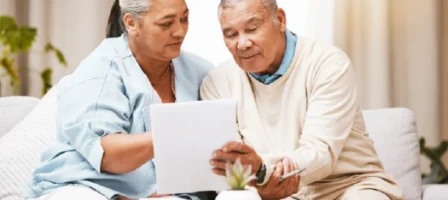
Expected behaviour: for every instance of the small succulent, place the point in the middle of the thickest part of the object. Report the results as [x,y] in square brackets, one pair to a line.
[237,177]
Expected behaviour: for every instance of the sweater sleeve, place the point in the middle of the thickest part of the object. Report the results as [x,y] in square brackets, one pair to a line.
[328,121]
[208,89]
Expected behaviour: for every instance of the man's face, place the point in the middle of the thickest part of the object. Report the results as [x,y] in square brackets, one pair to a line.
[250,35]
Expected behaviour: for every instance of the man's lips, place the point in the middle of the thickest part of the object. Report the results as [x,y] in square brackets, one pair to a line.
[249,57]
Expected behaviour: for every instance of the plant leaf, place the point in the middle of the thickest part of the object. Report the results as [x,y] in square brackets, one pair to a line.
[247,172]
[228,170]
[8,66]
[58,53]
[17,38]
[7,23]
[61,57]
[246,181]
[48,47]
[232,183]
[46,79]
[239,167]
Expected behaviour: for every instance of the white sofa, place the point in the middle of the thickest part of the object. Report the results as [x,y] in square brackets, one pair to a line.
[392,130]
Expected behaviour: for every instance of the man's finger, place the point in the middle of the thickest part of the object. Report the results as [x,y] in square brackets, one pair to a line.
[237,147]
[220,172]
[286,166]
[230,157]
[219,164]
[295,184]
[276,175]
[292,165]
[296,165]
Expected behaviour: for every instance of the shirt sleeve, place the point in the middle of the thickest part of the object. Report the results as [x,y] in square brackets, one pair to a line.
[90,110]
[331,110]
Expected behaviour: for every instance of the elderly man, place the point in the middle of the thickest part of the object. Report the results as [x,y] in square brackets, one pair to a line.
[297,108]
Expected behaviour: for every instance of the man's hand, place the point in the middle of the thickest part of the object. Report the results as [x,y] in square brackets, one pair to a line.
[274,189]
[231,152]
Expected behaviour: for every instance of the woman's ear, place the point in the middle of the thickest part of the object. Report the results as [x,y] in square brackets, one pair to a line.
[131,24]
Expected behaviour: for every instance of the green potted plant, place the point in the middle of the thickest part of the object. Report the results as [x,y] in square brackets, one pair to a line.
[439,172]
[16,39]
[237,178]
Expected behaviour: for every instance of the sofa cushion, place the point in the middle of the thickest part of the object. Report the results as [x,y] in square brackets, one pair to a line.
[395,138]
[435,192]
[16,108]
[21,148]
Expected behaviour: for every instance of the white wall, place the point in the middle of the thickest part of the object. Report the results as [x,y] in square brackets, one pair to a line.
[310,18]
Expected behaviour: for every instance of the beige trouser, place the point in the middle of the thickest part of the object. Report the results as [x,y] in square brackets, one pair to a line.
[352,188]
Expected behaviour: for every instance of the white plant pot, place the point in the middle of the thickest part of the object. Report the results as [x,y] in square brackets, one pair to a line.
[238,195]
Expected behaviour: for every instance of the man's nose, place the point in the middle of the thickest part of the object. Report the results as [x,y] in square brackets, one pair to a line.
[244,43]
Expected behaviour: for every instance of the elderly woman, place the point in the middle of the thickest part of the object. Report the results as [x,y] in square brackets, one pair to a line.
[105,145]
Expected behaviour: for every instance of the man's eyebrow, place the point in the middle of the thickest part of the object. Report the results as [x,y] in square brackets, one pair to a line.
[226,30]
[254,19]
[173,15]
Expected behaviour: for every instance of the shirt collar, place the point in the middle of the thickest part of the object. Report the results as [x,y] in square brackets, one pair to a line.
[291,40]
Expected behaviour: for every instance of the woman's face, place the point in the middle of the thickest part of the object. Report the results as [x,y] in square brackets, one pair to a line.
[159,33]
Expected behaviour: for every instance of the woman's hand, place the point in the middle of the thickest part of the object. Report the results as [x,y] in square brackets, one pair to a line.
[155,195]
[124,153]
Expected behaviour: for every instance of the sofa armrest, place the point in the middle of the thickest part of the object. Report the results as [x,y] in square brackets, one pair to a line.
[13,110]
[435,192]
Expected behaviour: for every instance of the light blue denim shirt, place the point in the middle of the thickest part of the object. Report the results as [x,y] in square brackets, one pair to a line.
[291,41]
[107,93]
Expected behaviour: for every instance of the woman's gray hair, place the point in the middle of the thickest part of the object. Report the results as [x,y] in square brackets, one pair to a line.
[134,7]
[116,25]
[270,5]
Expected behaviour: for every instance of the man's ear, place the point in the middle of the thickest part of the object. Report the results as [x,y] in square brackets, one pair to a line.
[281,19]
[130,24]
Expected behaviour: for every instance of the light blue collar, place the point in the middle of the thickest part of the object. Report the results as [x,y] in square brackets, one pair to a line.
[291,41]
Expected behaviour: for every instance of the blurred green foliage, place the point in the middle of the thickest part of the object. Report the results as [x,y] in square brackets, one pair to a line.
[16,39]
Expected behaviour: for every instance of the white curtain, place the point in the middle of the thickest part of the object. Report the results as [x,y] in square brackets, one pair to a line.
[444,69]
[396,49]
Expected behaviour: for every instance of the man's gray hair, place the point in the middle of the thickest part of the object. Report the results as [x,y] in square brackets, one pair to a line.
[134,7]
[270,5]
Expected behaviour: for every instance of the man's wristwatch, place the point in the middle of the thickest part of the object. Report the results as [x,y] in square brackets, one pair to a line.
[261,174]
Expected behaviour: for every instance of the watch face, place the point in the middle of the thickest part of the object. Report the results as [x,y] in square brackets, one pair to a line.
[261,174]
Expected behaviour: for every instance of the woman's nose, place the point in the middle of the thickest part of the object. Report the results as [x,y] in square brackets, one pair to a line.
[180,30]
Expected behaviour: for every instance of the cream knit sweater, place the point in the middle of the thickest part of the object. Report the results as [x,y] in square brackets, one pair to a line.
[310,114]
